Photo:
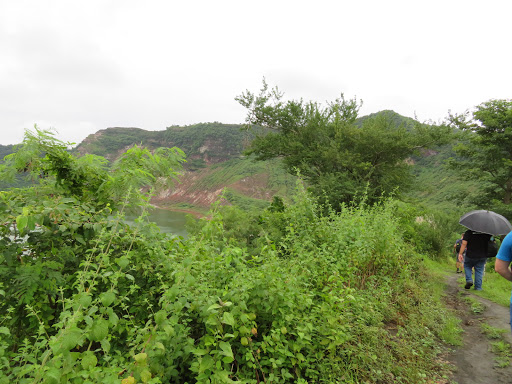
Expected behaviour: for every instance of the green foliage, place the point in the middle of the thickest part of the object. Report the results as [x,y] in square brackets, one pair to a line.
[493,332]
[503,353]
[485,152]
[475,305]
[329,256]
[432,230]
[17,182]
[313,305]
[243,202]
[88,178]
[70,274]
[291,295]
[340,159]
[439,186]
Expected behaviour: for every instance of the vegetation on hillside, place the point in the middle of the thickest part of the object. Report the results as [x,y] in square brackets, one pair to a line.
[394,118]
[203,143]
[431,183]
[307,298]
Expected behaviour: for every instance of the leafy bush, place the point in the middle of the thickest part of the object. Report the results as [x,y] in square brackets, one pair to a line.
[295,296]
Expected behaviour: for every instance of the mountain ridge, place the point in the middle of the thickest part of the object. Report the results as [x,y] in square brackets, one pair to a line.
[216,165]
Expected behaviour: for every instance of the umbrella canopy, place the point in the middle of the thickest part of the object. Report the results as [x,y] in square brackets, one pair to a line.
[486,222]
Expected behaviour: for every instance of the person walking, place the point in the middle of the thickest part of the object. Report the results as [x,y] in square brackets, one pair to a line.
[456,249]
[475,246]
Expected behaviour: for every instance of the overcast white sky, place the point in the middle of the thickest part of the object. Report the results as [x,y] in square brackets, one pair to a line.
[79,67]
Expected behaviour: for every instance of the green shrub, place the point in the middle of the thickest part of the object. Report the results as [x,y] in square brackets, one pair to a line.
[285,295]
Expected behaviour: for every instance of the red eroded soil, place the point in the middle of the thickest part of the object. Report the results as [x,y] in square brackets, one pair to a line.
[189,190]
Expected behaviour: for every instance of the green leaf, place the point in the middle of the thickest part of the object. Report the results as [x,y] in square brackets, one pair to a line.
[105,345]
[227,359]
[71,339]
[160,317]
[113,319]
[141,358]
[213,306]
[99,330]
[4,331]
[89,360]
[31,223]
[85,300]
[21,222]
[145,376]
[123,262]
[52,376]
[227,318]
[206,363]
[107,298]
[226,349]
[199,352]
[160,346]
[129,277]
[80,239]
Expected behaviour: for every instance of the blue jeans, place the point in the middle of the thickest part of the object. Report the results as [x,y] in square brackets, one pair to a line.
[479,265]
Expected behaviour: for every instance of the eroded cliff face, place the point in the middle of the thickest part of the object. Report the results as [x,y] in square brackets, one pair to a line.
[84,147]
[213,151]
[185,191]
[207,146]
[188,190]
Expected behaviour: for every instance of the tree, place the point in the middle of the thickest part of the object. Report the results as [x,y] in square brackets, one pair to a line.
[339,159]
[485,151]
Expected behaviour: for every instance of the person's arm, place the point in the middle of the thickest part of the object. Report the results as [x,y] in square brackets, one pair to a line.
[462,249]
[503,268]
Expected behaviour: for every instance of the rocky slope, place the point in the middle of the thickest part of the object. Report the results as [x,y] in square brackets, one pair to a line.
[215,164]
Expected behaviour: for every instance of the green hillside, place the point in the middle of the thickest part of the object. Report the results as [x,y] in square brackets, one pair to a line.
[215,161]
[203,143]
[394,117]
[438,185]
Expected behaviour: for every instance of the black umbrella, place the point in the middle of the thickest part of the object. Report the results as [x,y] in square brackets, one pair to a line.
[486,222]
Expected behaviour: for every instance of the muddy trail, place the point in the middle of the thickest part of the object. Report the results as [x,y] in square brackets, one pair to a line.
[473,362]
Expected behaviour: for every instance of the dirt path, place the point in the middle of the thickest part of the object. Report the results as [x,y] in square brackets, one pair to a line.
[474,362]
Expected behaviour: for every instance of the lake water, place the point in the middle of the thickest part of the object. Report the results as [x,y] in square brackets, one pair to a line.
[168,221]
